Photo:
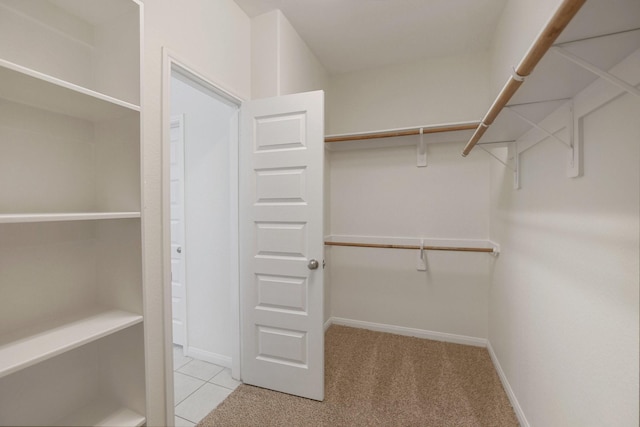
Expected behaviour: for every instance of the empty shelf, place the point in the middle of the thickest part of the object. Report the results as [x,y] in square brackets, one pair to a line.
[28,347]
[69,216]
[30,87]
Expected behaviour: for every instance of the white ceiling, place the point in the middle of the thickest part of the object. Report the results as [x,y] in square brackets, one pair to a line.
[352,35]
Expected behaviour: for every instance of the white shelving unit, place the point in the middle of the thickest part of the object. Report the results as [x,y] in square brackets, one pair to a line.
[71,315]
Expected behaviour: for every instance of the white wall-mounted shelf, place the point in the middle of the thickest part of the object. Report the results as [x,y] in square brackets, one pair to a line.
[22,349]
[70,216]
[30,87]
[603,35]
[556,80]
[596,45]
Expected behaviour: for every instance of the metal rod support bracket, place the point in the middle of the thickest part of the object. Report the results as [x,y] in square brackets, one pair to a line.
[537,126]
[422,259]
[422,150]
[595,70]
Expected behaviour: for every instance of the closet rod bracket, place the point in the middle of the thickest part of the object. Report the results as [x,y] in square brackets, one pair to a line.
[515,76]
[561,122]
[496,248]
[540,128]
[421,150]
[514,153]
[421,262]
[596,70]
[512,157]
[505,164]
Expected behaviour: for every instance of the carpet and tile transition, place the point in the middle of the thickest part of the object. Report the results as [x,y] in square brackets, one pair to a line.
[380,379]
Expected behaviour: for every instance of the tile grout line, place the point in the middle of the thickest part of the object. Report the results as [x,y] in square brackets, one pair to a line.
[184,419]
[209,381]
[190,394]
[195,391]
[225,387]
[199,387]
[189,375]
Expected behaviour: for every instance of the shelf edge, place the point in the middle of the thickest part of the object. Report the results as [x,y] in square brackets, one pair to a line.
[56,217]
[55,81]
[60,339]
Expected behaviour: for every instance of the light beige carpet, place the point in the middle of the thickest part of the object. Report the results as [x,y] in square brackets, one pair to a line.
[379,379]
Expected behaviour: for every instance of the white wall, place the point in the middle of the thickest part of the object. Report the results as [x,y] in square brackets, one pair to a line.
[421,93]
[519,25]
[281,62]
[265,63]
[564,300]
[214,37]
[381,192]
[207,200]
[300,70]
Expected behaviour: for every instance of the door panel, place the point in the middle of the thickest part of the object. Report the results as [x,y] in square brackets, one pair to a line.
[281,231]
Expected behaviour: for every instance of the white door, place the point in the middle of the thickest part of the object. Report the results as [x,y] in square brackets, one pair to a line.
[178,291]
[281,241]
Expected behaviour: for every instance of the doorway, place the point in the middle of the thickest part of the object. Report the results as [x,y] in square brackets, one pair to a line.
[200,172]
[282,286]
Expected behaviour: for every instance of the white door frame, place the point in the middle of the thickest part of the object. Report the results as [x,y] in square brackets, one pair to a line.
[172,63]
[182,279]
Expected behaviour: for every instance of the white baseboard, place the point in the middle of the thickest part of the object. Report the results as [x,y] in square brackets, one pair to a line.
[411,332]
[210,357]
[507,387]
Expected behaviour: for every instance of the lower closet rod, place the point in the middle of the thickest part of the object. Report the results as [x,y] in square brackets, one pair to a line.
[426,248]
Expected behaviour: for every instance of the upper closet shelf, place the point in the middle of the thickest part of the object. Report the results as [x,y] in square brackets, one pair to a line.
[26,86]
[596,36]
[70,216]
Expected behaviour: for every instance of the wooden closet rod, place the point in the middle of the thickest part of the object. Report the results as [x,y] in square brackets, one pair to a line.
[403,132]
[558,22]
[414,247]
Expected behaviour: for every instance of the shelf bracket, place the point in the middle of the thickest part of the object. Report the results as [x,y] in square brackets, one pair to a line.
[513,153]
[574,166]
[496,248]
[597,71]
[421,262]
[563,118]
[537,126]
[422,150]
[496,157]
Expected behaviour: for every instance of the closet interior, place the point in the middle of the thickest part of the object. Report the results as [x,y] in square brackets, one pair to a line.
[581,50]
[419,240]
[71,314]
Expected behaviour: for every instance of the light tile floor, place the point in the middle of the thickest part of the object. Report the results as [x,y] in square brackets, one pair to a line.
[199,387]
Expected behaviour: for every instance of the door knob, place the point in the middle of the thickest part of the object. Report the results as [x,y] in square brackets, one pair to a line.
[313,264]
[179,250]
